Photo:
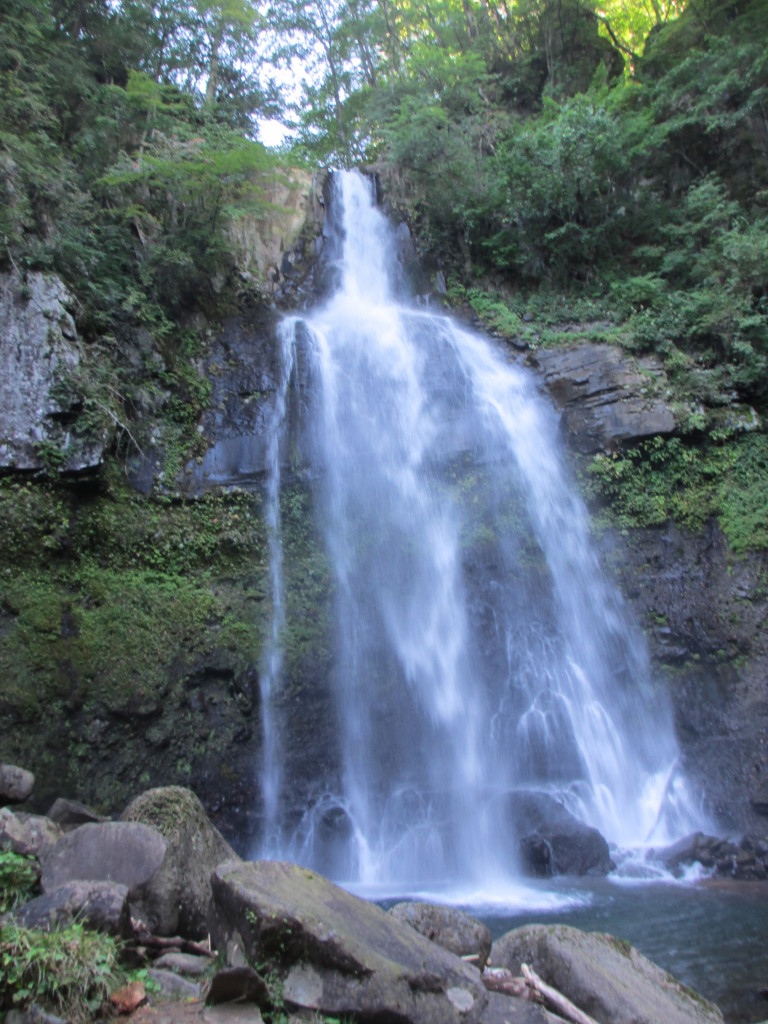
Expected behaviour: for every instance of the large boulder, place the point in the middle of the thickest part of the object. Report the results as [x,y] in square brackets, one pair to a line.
[340,955]
[448,927]
[195,848]
[16,784]
[40,358]
[552,841]
[605,977]
[607,398]
[115,851]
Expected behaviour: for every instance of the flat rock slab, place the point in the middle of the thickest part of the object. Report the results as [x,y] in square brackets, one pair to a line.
[172,986]
[606,397]
[195,1013]
[605,977]
[343,955]
[70,814]
[184,963]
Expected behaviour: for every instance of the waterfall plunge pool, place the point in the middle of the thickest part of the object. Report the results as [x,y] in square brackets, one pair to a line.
[710,934]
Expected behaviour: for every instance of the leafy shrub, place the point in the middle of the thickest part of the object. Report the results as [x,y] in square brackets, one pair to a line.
[70,971]
[668,479]
[18,878]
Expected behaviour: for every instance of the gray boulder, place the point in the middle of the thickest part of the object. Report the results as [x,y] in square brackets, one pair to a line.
[114,851]
[184,963]
[450,928]
[32,1014]
[552,841]
[339,954]
[607,398]
[194,849]
[71,813]
[39,360]
[100,905]
[16,784]
[605,977]
[172,986]
[27,834]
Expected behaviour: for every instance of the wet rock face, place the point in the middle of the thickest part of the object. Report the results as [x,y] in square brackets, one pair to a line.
[744,860]
[703,613]
[39,358]
[606,398]
[554,842]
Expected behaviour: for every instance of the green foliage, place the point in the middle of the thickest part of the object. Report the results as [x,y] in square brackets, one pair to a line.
[120,175]
[19,876]
[567,178]
[69,971]
[663,479]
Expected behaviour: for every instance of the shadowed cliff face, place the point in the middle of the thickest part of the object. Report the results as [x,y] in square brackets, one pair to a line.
[704,613]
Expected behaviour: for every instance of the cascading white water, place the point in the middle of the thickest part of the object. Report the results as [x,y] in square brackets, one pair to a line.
[479,648]
[272,661]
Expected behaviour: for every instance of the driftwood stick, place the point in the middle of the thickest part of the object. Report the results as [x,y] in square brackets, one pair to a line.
[508,985]
[556,1000]
[160,942]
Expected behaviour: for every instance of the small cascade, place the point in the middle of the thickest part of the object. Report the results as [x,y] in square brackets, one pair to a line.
[479,649]
[270,774]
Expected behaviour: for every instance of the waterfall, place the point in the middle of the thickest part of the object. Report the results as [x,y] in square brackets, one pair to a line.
[272,659]
[479,649]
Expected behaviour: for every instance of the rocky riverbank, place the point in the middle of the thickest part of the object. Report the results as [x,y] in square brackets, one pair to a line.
[274,941]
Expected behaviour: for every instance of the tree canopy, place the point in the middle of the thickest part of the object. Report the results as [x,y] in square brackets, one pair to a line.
[617,148]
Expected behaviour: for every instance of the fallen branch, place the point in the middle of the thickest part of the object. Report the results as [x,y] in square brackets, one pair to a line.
[159,942]
[507,984]
[555,1000]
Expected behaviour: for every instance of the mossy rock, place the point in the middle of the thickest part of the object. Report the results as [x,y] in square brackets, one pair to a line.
[604,976]
[195,848]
